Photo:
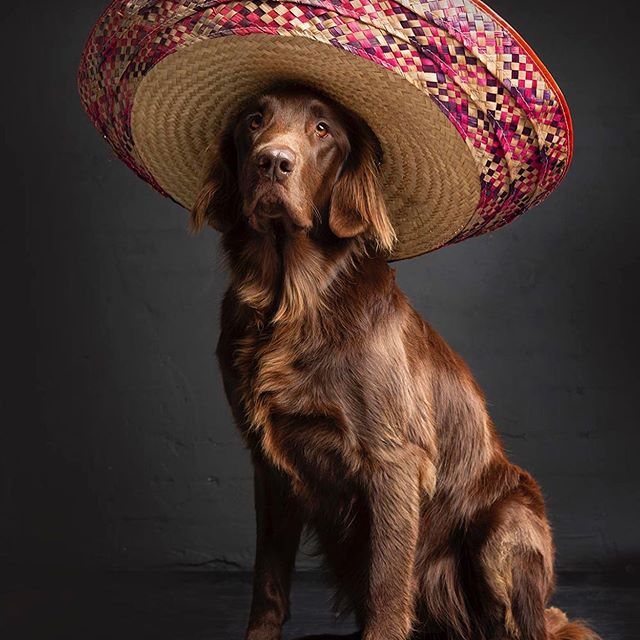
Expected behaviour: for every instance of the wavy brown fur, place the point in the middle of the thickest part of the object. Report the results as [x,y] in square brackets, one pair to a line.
[365,426]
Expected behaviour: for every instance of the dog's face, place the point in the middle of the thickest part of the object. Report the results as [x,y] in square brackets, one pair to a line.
[290,147]
[298,159]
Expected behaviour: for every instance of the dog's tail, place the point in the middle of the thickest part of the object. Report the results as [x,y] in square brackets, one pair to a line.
[559,627]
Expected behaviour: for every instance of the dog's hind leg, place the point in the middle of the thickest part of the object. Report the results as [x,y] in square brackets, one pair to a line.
[516,562]
[525,616]
[529,619]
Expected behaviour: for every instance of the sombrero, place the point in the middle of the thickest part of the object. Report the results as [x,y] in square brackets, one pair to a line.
[473,128]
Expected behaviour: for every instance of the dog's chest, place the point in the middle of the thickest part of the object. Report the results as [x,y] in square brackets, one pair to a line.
[288,398]
[274,382]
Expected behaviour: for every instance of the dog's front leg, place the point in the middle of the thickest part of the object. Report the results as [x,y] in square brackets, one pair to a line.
[394,503]
[278,535]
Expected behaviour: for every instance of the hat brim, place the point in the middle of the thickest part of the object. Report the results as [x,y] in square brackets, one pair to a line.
[187,100]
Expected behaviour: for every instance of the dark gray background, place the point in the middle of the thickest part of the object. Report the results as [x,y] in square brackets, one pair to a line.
[118,448]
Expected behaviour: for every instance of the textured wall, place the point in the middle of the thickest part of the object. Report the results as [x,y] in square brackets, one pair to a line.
[119,450]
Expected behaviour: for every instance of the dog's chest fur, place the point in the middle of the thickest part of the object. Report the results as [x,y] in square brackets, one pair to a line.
[290,395]
[314,415]
[319,382]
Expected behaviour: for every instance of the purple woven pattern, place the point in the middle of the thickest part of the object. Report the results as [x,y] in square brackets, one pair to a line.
[480,73]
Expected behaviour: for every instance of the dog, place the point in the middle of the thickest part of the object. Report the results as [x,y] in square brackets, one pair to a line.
[363,425]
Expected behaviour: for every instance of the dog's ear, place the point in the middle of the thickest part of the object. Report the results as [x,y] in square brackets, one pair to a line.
[217,203]
[357,203]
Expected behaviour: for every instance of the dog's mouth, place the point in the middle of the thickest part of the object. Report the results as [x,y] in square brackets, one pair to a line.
[270,201]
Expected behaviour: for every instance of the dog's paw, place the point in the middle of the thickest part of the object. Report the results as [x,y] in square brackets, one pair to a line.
[267,632]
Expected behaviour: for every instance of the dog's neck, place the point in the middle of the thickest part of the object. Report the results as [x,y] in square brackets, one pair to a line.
[289,277]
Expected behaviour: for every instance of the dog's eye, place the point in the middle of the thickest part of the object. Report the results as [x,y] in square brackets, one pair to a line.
[322,129]
[255,121]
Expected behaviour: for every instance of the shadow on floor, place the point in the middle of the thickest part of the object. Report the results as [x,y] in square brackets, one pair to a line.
[214,606]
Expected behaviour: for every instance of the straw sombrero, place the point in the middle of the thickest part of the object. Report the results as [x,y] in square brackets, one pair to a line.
[473,128]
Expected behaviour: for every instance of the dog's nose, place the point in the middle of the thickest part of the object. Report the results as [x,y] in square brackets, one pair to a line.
[276,163]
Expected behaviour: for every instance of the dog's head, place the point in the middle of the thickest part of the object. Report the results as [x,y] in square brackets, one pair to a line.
[297,159]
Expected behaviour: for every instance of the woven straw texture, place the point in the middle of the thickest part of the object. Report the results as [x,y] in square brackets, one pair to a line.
[473,128]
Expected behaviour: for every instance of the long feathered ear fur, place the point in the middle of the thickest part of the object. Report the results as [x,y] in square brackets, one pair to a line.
[217,203]
[357,203]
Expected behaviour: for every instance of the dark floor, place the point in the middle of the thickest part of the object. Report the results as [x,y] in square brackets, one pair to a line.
[190,606]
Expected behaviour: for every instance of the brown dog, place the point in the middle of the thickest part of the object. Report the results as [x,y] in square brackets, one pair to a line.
[362,423]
